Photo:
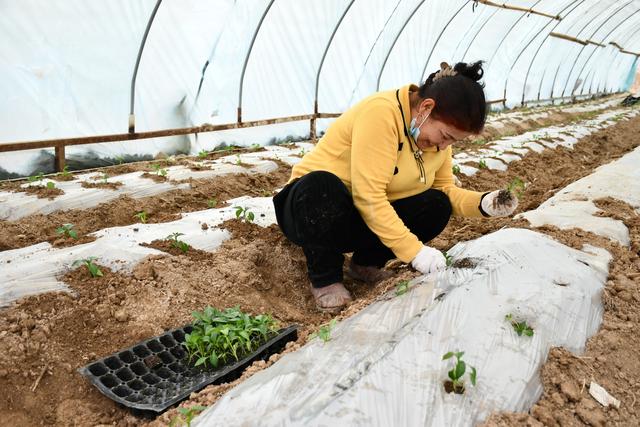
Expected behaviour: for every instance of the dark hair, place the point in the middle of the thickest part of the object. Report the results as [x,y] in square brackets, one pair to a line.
[459,99]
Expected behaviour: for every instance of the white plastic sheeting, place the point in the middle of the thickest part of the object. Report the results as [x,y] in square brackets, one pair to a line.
[573,205]
[66,65]
[383,366]
[35,269]
[14,206]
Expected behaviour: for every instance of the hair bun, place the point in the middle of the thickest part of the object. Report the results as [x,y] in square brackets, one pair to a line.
[473,71]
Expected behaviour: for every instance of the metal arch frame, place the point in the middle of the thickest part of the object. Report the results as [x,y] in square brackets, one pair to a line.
[490,15]
[526,76]
[395,40]
[246,59]
[583,47]
[620,60]
[324,55]
[627,40]
[433,48]
[515,61]
[596,69]
[132,97]
[495,12]
[555,76]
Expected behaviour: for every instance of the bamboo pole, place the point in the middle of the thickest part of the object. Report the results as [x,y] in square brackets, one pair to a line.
[518,8]
[569,38]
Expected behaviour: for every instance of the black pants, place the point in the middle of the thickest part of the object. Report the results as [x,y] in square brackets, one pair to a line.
[317,213]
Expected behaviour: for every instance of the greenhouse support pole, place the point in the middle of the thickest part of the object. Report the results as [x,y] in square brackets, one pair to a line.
[59,158]
[246,58]
[614,56]
[132,117]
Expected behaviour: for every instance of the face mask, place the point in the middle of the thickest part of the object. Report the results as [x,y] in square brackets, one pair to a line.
[415,131]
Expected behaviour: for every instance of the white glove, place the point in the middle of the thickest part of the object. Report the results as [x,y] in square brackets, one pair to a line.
[499,203]
[429,260]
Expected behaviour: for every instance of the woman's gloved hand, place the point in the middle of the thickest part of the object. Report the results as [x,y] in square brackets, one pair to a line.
[499,203]
[429,260]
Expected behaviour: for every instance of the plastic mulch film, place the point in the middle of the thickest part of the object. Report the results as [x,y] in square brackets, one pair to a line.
[573,205]
[384,365]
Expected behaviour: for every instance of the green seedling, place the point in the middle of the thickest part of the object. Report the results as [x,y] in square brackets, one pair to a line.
[239,161]
[448,258]
[521,328]
[65,172]
[456,383]
[244,214]
[212,202]
[324,333]
[119,160]
[203,154]
[160,171]
[455,169]
[177,243]
[482,164]
[402,287]
[51,185]
[105,178]
[38,177]
[67,230]
[93,269]
[255,146]
[141,216]
[221,336]
[516,187]
[480,141]
[186,415]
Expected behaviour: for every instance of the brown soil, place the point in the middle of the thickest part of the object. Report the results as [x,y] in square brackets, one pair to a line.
[161,208]
[108,185]
[261,271]
[154,176]
[42,192]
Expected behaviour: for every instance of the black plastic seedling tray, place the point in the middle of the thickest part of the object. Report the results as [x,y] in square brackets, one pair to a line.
[155,373]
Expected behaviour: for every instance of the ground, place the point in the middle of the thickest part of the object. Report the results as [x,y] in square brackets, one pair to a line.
[44,339]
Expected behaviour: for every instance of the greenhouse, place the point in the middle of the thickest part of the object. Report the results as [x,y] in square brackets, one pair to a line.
[328,212]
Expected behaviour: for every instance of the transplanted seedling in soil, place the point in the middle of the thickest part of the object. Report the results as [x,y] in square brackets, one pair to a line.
[482,164]
[203,154]
[324,333]
[186,416]
[177,243]
[456,383]
[160,171]
[402,287]
[67,230]
[65,172]
[51,185]
[521,328]
[455,169]
[38,177]
[212,202]
[93,269]
[244,214]
[221,336]
[141,216]
[516,187]
[448,258]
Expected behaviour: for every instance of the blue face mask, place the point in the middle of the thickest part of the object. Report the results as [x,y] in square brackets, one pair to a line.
[415,131]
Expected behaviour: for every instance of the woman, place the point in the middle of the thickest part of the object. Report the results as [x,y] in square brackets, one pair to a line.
[380,183]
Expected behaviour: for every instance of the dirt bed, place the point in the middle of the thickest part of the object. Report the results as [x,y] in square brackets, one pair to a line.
[45,338]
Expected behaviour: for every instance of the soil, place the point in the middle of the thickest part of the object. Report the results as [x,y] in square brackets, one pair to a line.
[44,339]
[108,185]
[449,388]
[42,192]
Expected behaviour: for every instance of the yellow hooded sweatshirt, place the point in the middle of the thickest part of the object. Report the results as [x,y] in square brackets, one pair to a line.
[367,148]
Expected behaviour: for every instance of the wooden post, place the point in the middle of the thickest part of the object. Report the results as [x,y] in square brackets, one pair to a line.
[59,158]
[313,135]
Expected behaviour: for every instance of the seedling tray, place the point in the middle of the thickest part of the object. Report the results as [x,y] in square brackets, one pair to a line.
[155,373]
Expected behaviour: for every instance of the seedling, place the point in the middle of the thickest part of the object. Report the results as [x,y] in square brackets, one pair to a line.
[67,230]
[480,141]
[65,172]
[186,415]
[203,154]
[402,287]
[141,216]
[456,383]
[51,185]
[119,160]
[239,161]
[177,243]
[38,177]
[255,146]
[244,214]
[521,328]
[93,269]
[448,258]
[455,169]
[516,187]
[220,336]
[324,333]
[212,202]
[160,171]
[105,178]
[482,164]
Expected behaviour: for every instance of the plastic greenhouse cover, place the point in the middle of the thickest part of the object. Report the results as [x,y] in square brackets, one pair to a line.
[383,366]
[74,79]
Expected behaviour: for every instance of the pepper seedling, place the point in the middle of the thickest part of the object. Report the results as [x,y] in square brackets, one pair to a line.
[160,171]
[324,333]
[402,287]
[448,258]
[141,216]
[94,270]
[212,202]
[482,164]
[244,214]
[67,230]
[456,383]
[186,415]
[521,328]
[105,178]
[177,243]
[38,177]
[516,187]
[51,185]
[455,169]
[203,154]
[65,172]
